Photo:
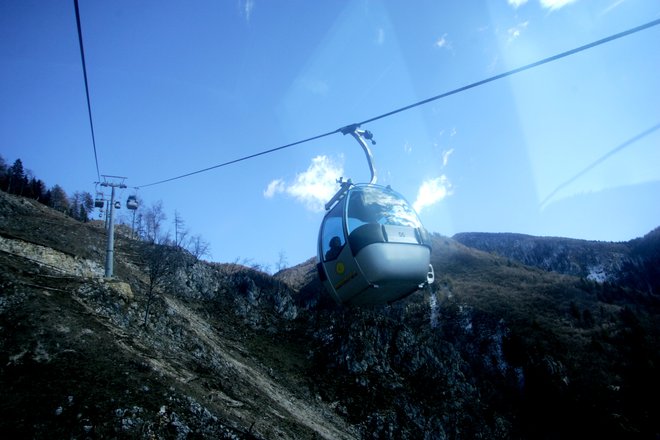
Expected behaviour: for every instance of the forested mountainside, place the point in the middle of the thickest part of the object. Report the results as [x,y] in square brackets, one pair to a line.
[175,347]
[635,263]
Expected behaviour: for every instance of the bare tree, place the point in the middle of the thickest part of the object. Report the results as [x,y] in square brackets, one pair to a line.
[138,228]
[282,262]
[198,247]
[194,244]
[180,231]
[153,224]
[59,199]
[161,264]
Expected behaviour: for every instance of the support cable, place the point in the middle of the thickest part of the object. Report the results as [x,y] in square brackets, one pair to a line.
[518,70]
[240,159]
[89,106]
[351,127]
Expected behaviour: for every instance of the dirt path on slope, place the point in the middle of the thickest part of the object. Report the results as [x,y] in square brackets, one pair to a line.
[317,417]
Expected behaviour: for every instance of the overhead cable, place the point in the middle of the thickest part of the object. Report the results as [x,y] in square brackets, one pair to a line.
[252,156]
[518,70]
[600,160]
[347,128]
[89,107]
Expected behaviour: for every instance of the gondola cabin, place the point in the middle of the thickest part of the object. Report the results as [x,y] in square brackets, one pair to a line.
[132,203]
[98,200]
[372,247]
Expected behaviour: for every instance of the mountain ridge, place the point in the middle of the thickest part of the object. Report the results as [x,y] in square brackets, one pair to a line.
[632,262]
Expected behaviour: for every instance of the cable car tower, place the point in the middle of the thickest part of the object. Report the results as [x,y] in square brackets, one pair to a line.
[113,182]
[372,247]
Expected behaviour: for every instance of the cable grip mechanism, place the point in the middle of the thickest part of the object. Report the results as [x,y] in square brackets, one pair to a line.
[362,136]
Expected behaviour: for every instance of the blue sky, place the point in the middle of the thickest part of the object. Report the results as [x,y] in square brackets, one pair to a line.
[571,148]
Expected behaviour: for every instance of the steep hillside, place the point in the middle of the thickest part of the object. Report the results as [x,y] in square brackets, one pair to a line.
[526,352]
[496,349]
[77,360]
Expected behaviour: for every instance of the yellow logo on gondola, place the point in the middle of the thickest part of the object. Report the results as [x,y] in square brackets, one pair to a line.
[340,268]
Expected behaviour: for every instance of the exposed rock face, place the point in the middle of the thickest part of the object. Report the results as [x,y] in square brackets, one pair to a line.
[495,350]
[45,256]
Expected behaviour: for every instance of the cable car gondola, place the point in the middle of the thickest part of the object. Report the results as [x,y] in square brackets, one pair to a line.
[372,247]
[132,203]
[98,200]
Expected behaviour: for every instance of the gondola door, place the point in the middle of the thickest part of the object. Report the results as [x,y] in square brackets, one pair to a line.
[337,267]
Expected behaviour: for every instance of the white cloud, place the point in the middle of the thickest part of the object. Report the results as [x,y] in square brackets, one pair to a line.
[555,4]
[515,31]
[516,3]
[611,7]
[274,187]
[431,192]
[443,42]
[313,187]
[445,156]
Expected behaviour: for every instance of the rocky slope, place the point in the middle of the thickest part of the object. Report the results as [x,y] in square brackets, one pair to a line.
[496,349]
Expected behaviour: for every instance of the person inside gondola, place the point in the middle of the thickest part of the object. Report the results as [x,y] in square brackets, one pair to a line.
[335,248]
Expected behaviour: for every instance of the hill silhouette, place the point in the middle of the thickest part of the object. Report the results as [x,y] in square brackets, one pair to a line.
[497,349]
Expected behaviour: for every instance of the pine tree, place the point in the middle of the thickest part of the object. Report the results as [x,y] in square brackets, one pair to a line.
[17,179]
[36,189]
[81,206]
[3,174]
